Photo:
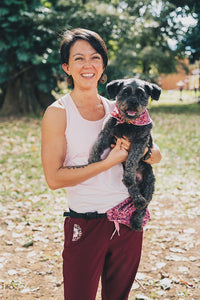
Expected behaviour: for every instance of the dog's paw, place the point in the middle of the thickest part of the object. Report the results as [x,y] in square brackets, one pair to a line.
[136,224]
[139,202]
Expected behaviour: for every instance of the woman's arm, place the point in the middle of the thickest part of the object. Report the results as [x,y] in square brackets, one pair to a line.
[53,151]
[155,157]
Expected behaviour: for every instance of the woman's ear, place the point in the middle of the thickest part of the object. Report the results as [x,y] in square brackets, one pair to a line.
[65,68]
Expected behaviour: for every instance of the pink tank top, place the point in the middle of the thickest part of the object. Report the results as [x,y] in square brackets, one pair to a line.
[103,191]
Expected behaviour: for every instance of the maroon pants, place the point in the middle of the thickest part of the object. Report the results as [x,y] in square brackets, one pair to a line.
[90,253]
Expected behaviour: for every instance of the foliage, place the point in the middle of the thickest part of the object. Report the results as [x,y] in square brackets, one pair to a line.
[28,41]
[136,33]
[29,47]
[191,42]
[190,39]
[142,48]
[28,54]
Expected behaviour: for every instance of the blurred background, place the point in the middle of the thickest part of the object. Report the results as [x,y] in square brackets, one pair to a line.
[155,40]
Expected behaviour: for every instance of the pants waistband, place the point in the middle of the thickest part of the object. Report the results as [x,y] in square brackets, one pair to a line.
[87,216]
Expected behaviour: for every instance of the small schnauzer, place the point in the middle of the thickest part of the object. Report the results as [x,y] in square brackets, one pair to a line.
[131,119]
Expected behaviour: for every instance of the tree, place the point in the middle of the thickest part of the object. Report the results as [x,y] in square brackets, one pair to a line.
[190,38]
[145,50]
[135,31]
[27,55]
[30,34]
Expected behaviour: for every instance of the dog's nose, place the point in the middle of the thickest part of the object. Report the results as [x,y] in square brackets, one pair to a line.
[133,103]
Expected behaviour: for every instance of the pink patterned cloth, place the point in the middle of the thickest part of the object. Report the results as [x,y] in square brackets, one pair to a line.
[143,118]
[122,213]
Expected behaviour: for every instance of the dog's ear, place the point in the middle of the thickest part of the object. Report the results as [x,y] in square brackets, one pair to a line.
[113,88]
[153,90]
[155,95]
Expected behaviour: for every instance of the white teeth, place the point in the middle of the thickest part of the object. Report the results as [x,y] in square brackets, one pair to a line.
[87,75]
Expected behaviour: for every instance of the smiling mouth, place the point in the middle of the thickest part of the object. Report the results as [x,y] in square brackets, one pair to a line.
[90,75]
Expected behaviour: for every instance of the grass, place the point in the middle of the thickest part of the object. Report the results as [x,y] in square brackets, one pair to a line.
[176,131]
[23,184]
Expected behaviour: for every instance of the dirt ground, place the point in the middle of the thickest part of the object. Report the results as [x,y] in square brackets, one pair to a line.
[31,263]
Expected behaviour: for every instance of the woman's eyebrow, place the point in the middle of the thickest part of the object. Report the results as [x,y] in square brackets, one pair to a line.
[83,54]
[77,54]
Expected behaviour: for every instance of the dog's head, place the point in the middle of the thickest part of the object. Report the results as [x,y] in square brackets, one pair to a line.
[132,96]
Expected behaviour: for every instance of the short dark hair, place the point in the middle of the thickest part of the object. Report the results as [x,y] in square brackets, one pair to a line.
[71,36]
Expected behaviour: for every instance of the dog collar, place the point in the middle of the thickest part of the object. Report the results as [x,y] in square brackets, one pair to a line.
[142,119]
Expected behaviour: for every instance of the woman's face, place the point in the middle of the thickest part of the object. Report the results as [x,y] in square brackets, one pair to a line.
[85,65]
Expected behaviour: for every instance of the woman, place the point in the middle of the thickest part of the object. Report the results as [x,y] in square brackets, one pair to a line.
[69,129]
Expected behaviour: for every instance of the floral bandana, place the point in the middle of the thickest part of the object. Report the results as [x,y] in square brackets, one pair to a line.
[122,213]
[142,119]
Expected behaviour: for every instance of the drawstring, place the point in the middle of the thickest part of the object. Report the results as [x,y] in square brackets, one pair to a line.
[116,229]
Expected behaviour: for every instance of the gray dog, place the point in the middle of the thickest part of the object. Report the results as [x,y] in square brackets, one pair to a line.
[131,119]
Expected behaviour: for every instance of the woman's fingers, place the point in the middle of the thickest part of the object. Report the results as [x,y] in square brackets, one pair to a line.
[125,143]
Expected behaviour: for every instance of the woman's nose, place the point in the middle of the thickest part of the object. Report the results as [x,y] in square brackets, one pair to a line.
[87,62]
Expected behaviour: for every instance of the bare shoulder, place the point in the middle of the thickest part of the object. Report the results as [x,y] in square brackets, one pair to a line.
[54,118]
[53,142]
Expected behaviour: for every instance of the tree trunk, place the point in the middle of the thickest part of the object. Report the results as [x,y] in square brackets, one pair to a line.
[21,96]
[146,69]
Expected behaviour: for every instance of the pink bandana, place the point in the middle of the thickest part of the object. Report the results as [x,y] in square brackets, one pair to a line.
[142,119]
[122,213]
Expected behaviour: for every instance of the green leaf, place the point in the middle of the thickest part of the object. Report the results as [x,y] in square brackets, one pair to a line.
[23,56]
[37,60]
[43,87]
[4,11]
[13,18]
[4,46]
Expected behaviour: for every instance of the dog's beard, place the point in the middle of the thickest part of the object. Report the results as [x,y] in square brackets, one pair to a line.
[130,113]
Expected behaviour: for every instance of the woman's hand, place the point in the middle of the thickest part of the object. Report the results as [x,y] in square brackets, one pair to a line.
[125,143]
[119,153]
[155,157]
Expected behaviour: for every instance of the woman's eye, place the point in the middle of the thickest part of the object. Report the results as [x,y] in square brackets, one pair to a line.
[96,57]
[78,58]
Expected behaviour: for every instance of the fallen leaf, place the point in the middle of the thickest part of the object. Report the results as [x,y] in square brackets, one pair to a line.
[28,244]
[165,283]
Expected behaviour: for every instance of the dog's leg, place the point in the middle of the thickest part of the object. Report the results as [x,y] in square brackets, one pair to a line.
[138,200]
[147,184]
[131,165]
[103,142]
[129,177]
[137,219]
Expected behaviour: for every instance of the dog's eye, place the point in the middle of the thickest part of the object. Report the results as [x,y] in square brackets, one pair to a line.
[127,91]
[140,92]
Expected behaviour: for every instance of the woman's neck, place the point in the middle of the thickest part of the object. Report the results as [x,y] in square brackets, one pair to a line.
[89,105]
[84,98]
